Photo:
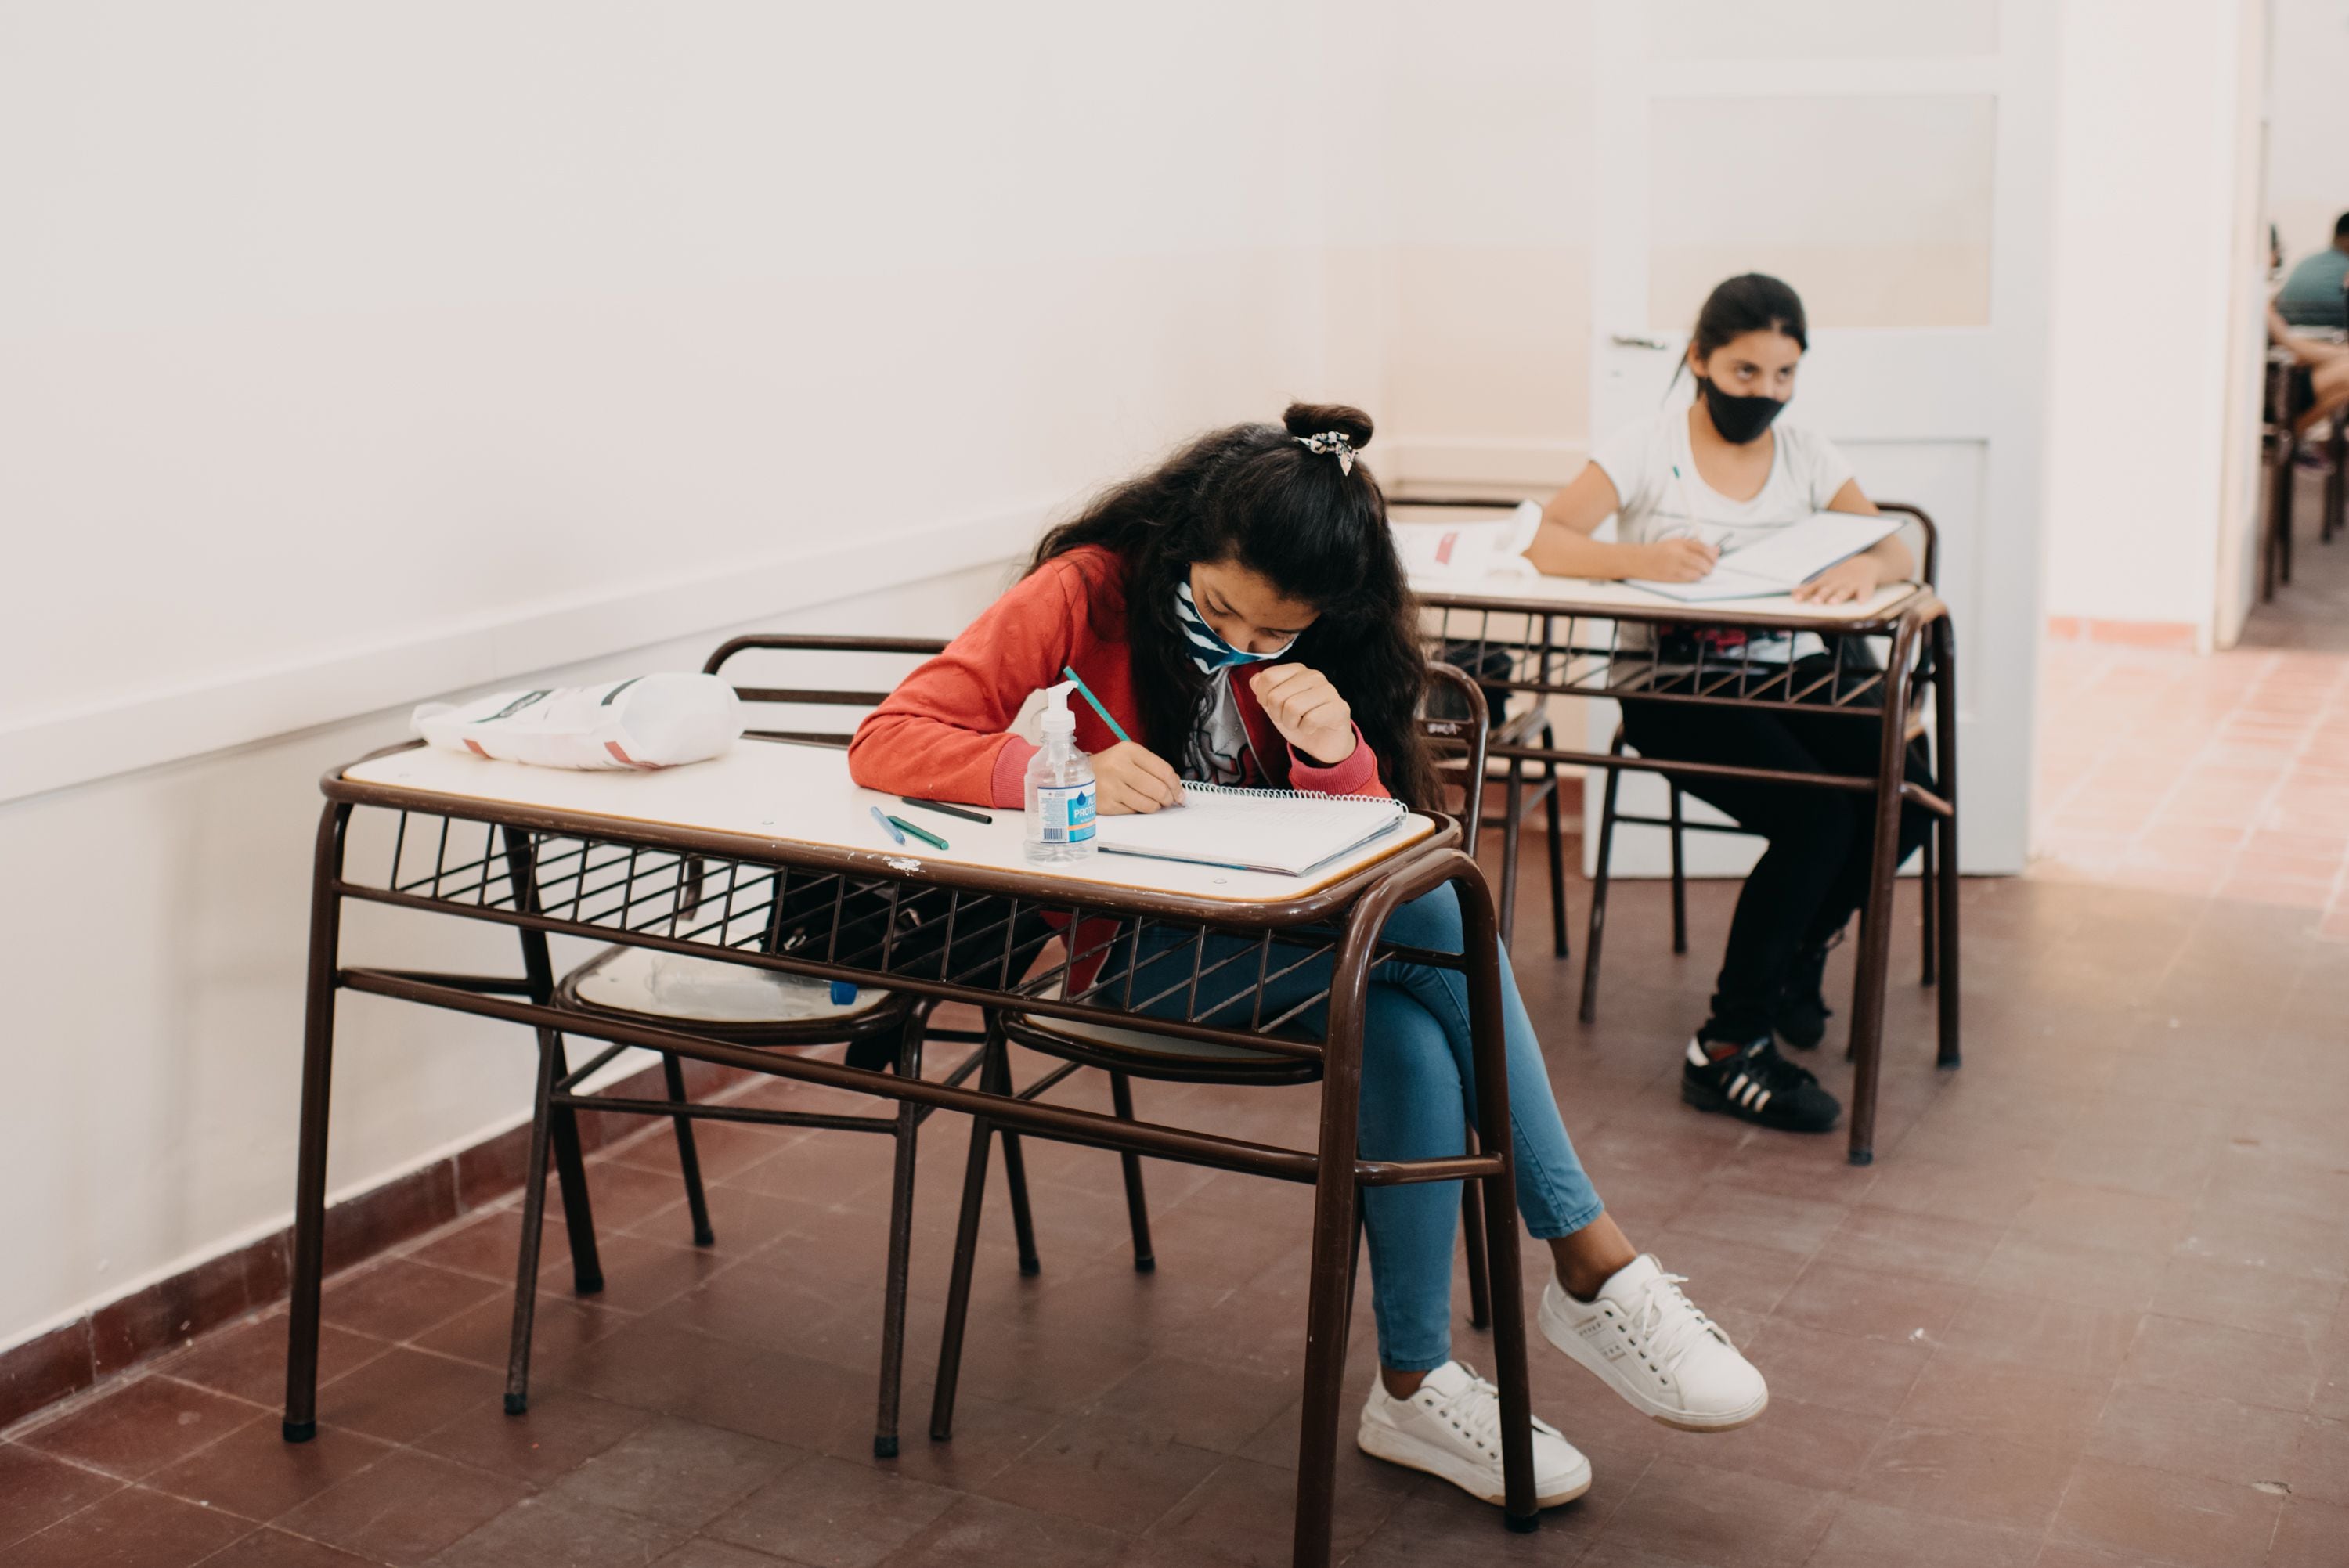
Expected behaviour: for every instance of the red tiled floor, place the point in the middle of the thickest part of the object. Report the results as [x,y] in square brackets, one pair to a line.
[2087,1310]
[140,1426]
[131,1527]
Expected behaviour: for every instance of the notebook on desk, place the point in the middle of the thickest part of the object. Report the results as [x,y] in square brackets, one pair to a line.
[1783,560]
[1283,831]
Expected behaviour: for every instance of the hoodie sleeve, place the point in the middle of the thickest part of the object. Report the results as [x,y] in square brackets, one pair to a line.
[944,732]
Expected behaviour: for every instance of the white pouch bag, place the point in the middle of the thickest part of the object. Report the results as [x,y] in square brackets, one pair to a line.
[651,721]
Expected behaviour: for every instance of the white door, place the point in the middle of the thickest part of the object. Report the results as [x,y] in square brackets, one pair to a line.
[1890,162]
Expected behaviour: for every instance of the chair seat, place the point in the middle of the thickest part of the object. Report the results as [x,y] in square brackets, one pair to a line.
[1153,1055]
[646,983]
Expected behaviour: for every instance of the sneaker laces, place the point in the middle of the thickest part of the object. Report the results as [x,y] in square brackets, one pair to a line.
[1667,1323]
[1475,1409]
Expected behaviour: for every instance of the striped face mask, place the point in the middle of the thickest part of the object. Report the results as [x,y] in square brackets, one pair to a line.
[1208,650]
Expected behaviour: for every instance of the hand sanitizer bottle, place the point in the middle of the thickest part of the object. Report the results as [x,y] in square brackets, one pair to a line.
[1059,788]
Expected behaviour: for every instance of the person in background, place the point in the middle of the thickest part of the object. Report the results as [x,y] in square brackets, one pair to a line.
[2321,371]
[1683,486]
[2313,293]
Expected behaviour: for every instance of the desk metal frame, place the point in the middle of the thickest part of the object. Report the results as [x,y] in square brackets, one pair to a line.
[1559,647]
[834,912]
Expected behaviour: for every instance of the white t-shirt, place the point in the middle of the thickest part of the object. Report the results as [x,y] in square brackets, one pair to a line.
[1661,497]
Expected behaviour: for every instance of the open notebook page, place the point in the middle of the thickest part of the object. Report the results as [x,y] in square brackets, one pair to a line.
[1784,560]
[1279,831]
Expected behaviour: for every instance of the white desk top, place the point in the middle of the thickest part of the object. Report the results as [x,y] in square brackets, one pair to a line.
[776,792]
[1584,596]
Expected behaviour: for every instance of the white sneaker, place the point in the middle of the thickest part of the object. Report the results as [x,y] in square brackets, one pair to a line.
[1651,1345]
[1451,1427]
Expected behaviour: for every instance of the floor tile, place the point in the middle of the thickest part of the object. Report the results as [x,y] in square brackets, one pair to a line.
[560,1431]
[2319,1467]
[1870,1535]
[2197,1435]
[255,1473]
[829,1513]
[275,1549]
[976,1534]
[2005,1400]
[2068,1340]
[2309,1534]
[1245,1513]
[397,1298]
[404,1509]
[703,1553]
[678,1472]
[36,1491]
[141,1427]
[2164,1517]
[1105,1469]
[1702,1515]
[2225,1363]
[404,1394]
[1961,1475]
[132,1528]
[248,1359]
[562,1533]
[1870,1304]
[1202,1406]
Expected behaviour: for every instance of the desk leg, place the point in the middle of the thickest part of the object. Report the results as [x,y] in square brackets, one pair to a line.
[533,1232]
[901,1245]
[562,1123]
[1945,831]
[1490,1057]
[1335,1200]
[1876,916]
[310,1165]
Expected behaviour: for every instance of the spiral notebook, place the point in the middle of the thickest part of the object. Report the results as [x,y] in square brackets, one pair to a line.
[1283,831]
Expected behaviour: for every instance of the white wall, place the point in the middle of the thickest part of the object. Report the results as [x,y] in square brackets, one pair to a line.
[349,355]
[2145,332]
[402,329]
[2308,119]
[1490,151]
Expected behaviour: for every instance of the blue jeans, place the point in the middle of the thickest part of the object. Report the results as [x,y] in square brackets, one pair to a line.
[1417,1095]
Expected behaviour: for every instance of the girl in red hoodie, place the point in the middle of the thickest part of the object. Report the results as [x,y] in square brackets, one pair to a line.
[1241,609]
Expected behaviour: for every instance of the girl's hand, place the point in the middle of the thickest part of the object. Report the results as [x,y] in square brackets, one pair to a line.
[1845,581]
[1306,710]
[1682,560]
[1130,778]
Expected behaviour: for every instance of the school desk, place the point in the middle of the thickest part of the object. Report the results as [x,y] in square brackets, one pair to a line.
[1563,636]
[769,857]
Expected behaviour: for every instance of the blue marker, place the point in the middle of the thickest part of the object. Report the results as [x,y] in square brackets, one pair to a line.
[888,827]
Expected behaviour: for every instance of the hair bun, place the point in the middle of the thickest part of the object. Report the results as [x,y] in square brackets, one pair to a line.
[1320,418]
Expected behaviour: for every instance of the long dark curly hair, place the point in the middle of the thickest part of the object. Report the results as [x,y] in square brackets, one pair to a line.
[1255,496]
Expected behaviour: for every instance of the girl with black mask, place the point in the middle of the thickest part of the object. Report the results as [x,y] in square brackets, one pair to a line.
[1721,473]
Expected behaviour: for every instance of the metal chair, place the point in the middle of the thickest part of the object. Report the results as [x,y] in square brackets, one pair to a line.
[1459,730]
[744,1007]
[1676,823]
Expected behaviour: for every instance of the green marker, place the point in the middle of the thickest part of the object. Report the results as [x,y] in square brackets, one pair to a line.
[922,833]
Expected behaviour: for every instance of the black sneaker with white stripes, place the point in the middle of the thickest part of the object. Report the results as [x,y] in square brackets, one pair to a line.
[1755,1084]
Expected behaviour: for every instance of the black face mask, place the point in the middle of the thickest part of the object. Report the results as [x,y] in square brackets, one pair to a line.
[1738,419]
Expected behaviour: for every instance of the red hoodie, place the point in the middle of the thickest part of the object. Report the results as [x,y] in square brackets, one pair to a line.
[944,733]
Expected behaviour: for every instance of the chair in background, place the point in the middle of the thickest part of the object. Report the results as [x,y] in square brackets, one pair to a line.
[1457,728]
[744,1007]
[1675,821]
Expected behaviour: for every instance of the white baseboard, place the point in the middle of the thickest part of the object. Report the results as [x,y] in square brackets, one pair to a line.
[169,722]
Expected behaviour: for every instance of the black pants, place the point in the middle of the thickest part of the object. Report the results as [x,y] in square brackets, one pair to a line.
[1814,875]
